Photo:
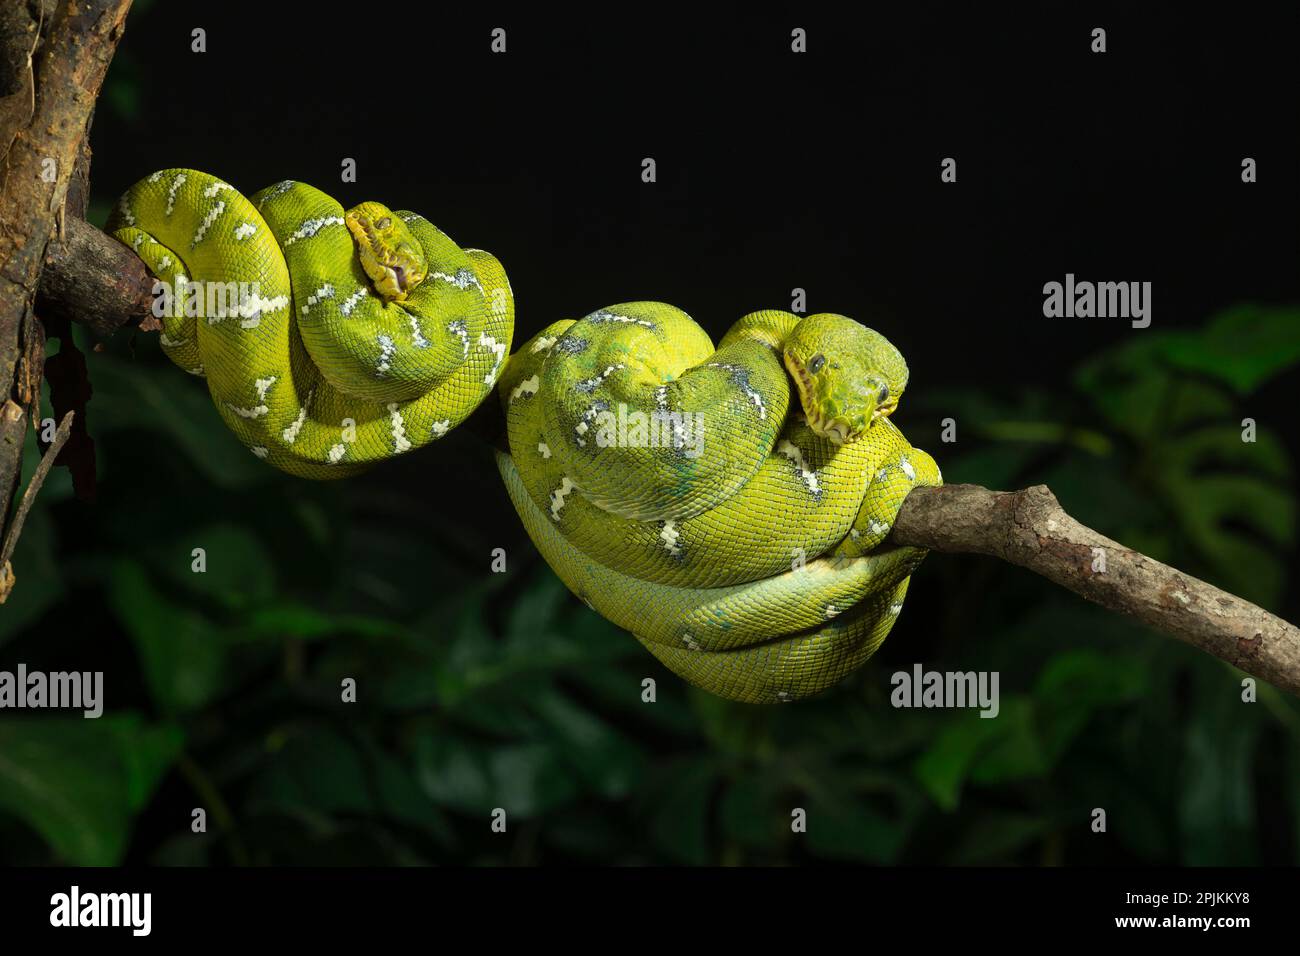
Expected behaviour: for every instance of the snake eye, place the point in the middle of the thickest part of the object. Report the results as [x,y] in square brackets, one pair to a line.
[816,362]
[884,394]
[383,223]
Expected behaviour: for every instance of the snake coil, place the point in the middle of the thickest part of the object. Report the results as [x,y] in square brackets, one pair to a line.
[727,506]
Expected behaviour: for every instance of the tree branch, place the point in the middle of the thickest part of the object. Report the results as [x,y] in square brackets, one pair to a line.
[1031,529]
[53,58]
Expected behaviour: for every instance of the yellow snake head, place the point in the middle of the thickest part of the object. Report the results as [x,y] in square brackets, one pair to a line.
[389,252]
[847,375]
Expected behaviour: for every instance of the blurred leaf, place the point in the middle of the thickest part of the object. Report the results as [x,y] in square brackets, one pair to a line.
[679,810]
[995,837]
[80,782]
[156,399]
[523,779]
[1216,810]
[238,571]
[1243,346]
[182,653]
[321,769]
[604,759]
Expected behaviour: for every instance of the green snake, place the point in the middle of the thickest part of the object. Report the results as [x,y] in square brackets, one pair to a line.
[728,506]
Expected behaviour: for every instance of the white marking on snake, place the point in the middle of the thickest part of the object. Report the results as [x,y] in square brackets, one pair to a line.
[139,241]
[351,301]
[740,377]
[831,611]
[324,292]
[807,476]
[208,220]
[400,444]
[386,351]
[908,469]
[279,189]
[669,536]
[896,608]
[124,210]
[463,279]
[878,527]
[603,315]
[259,451]
[260,409]
[196,370]
[690,642]
[497,347]
[254,308]
[544,448]
[417,337]
[244,230]
[215,188]
[440,428]
[527,388]
[558,496]
[290,434]
[458,327]
[312,226]
[590,384]
[584,424]
[337,452]
[177,183]
[168,342]
[545,342]
[165,262]
[154,177]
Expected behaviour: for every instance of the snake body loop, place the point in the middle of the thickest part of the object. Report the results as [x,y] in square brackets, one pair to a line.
[319,368]
[741,540]
[727,505]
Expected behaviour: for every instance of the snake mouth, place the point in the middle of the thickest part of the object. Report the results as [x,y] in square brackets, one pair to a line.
[835,430]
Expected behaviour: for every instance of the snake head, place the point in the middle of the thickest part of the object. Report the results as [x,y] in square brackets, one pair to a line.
[847,375]
[389,252]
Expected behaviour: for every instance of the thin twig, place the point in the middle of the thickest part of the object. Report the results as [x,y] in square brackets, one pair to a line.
[29,497]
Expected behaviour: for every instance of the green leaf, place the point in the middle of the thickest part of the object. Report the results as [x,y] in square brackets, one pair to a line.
[1217,805]
[524,779]
[156,399]
[1243,346]
[679,821]
[337,774]
[238,571]
[79,783]
[604,759]
[182,653]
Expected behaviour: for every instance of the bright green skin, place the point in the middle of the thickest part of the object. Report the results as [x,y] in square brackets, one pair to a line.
[331,370]
[702,556]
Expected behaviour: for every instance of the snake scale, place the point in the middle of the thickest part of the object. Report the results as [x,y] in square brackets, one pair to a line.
[728,506]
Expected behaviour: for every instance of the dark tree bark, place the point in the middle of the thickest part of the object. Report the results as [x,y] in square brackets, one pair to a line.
[53,57]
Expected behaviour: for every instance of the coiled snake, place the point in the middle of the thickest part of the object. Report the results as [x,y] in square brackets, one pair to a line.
[727,506]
